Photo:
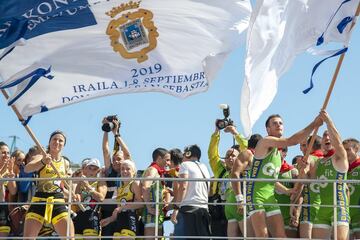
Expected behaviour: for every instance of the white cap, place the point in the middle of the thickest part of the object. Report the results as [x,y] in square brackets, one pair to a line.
[91,162]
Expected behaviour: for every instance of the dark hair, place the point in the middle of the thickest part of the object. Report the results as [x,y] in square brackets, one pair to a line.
[254,140]
[159,152]
[236,147]
[3,144]
[192,151]
[58,132]
[176,156]
[271,117]
[317,142]
[295,158]
[284,149]
[31,152]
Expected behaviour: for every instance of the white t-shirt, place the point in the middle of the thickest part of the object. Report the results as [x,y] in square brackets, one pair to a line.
[197,191]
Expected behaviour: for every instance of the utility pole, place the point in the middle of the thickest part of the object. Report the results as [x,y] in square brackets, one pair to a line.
[13,147]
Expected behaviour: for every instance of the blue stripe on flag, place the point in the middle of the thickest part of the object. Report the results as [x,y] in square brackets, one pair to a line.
[31,18]
[342,25]
[320,40]
[341,51]
[34,75]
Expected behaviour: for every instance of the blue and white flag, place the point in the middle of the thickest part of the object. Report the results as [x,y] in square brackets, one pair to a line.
[278,31]
[59,52]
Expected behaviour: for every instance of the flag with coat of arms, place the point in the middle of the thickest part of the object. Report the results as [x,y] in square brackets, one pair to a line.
[58,52]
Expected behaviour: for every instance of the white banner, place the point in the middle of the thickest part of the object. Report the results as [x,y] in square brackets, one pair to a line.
[66,51]
[278,31]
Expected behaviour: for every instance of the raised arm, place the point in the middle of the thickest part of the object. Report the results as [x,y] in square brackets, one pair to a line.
[123,147]
[340,160]
[268,142]
[241,140]
[106,150]
[213,152]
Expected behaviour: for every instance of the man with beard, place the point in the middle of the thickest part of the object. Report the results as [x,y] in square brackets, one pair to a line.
[333,166]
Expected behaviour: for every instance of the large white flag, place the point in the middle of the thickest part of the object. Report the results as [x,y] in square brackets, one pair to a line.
[58,52]
[278,31]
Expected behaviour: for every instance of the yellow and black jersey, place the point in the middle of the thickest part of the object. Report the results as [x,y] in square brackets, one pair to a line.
[51,186]
[124,194]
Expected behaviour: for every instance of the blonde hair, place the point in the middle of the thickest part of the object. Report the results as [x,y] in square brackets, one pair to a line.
[130,163]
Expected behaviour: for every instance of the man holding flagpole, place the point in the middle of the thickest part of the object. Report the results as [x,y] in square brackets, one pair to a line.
[266,164]
[333,166]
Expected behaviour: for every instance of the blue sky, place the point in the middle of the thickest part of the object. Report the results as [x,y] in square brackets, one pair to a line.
[151,120]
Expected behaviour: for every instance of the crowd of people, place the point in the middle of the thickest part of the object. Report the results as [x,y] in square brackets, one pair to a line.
[126,207]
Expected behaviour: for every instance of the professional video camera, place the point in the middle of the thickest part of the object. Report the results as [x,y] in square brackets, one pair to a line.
[226,121]
[108,126]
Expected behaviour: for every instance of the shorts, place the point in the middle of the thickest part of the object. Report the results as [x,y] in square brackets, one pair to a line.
[4,219]
[308,214]
[257,199]
[231,211]
[355,219]
[57,213]
[325,217]
[87,223]
[126,224]
[149,219]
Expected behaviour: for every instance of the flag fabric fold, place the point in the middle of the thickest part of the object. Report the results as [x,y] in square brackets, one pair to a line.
[279,30]
[104,47]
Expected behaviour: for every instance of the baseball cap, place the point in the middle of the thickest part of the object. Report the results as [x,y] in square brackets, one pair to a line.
[91,162]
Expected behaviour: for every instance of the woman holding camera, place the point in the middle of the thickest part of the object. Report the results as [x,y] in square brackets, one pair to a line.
[49,192]
[112,162]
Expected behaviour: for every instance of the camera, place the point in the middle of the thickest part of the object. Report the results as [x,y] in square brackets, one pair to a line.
[226,121]
[108,126]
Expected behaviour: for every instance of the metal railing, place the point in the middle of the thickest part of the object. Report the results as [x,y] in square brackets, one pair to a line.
[158,181]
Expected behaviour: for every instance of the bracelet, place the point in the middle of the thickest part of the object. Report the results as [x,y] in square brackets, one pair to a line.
[117,135]
[239,198]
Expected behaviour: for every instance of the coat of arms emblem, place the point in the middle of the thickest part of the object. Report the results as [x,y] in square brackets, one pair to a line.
[133,34]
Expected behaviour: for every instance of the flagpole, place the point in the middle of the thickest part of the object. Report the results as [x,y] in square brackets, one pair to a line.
[331,87]
[38,144]
[326,102]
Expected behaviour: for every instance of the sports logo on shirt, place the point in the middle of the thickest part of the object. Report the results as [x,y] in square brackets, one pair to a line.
[269,169]
[133,34]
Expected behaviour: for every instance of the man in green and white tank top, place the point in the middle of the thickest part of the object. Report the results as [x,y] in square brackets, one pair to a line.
[333,166]
[240,170]
[311,193]
[282,195]
[266,164]
[352,147]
